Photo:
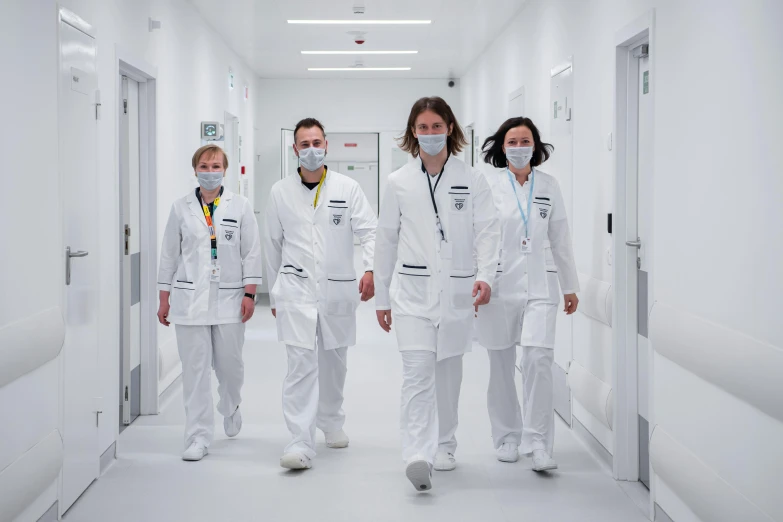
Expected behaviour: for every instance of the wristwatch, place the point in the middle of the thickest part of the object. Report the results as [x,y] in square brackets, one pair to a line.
[251,296]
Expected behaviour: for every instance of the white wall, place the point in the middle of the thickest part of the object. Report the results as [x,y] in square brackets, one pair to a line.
[192,85]
[341,106]
[717,117]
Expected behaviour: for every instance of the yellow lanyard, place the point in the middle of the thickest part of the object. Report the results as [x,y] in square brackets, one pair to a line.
[318,190]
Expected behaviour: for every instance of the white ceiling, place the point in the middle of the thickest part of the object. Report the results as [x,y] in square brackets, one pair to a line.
[257,30]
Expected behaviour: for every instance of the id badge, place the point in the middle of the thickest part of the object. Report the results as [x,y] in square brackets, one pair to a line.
[214,274]
[445,250]
[526,245]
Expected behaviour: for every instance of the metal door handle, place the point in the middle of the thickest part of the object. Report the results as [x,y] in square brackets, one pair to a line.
[68,256]
[635,244]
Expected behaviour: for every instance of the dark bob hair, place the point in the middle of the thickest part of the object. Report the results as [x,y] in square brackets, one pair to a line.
[456,140]
[493,146]
[308,123]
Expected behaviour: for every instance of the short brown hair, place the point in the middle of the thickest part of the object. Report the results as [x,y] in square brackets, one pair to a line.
[456,140]
[212,149]
[308,123]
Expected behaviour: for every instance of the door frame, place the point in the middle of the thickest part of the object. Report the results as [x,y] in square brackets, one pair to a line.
[127,64]
[624,272]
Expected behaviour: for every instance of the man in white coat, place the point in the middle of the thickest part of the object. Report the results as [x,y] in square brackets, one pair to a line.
[311,220]
[437,225]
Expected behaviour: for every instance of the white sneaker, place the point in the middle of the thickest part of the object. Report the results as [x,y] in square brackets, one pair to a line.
[336,440]
[196,451]
[296,461]
[419,473]
[233,424]
[508,452]
[542,461]
[445,461]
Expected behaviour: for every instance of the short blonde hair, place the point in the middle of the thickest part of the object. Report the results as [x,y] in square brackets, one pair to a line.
[212,149]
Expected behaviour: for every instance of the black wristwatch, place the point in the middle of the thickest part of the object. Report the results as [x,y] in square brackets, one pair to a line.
[251,296]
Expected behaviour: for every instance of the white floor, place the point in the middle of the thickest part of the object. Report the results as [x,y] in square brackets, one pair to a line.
[240,480]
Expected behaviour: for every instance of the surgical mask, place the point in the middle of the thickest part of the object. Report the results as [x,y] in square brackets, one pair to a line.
[519,157]
[210,180]
[432,144]
[312,158]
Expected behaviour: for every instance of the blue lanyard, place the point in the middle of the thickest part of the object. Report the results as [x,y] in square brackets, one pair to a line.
[529,199]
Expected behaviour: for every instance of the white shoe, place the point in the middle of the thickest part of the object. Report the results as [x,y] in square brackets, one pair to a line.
[196,451]
[445,461]
[296,461]
[508,452]
[336,440]
[419,473]
[542,461]
[233,424]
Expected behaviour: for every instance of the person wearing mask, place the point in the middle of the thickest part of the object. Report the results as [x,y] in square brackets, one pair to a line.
[535,253]
[437,216]
[210,264]
[311,220]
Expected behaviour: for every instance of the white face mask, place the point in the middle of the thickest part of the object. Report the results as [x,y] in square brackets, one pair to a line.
[432,144]
[519,157]
[209,180]
[312,159]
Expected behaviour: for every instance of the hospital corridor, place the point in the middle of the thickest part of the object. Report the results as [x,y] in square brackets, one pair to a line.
[362,260]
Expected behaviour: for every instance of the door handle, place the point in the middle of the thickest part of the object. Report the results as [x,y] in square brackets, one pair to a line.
[635,244]
[68,256]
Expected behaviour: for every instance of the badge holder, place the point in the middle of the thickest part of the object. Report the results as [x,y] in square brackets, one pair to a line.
[526,245]
[214,274]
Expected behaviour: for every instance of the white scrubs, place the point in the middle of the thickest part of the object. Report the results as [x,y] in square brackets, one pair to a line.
[523,310]
[427,283]
[208,315]
[315,291]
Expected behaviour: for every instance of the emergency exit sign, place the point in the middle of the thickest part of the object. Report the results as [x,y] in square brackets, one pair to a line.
[351,144]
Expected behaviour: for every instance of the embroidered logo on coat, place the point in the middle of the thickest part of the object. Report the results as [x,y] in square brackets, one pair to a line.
[459,203]
[229,235]
[337,219]
[543,212]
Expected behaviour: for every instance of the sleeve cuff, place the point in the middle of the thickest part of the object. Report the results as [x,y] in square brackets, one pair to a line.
[164,287]
[252,280]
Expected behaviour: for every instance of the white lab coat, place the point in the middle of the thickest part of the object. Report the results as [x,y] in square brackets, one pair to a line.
[308,255]
[185,260]
[527,284]
[412,277]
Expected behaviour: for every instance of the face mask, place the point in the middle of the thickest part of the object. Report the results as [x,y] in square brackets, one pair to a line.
[312,159]
[519,157]
[432,144]
[209,180]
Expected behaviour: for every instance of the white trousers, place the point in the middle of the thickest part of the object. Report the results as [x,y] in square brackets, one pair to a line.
[429,404]
[534,426]
[313,394]
[202,348]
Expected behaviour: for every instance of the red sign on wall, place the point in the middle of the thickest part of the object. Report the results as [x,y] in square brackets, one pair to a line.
[351,144]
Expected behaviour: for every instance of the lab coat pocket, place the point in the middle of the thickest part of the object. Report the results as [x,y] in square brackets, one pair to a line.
[292,287]
[182,297]
[228,233]
[230,300]
[339,215]
[413,286]
[497,286]
[553,286]
[461,289]
[342,295]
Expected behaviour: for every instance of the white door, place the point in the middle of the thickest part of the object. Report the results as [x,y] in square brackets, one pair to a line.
[289,161]
[231,144]
[560,165]
[643,222]
[130,253]
[78,188]
[390,158]
[366,175]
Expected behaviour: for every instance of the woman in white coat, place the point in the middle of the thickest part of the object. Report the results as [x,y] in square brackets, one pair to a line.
[535,254]
[210,264]
[435,256]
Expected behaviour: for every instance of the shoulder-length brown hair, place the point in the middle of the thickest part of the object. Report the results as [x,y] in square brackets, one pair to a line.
[456,140]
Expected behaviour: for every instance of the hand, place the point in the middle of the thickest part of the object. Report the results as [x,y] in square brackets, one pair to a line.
[483,291]
[274,313]
[384,319]
[571,302]
[163,313]
[367,287]
[248,308]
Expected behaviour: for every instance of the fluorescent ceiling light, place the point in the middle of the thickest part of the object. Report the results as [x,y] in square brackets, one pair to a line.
[359,52]
[361,22]
[359,69]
